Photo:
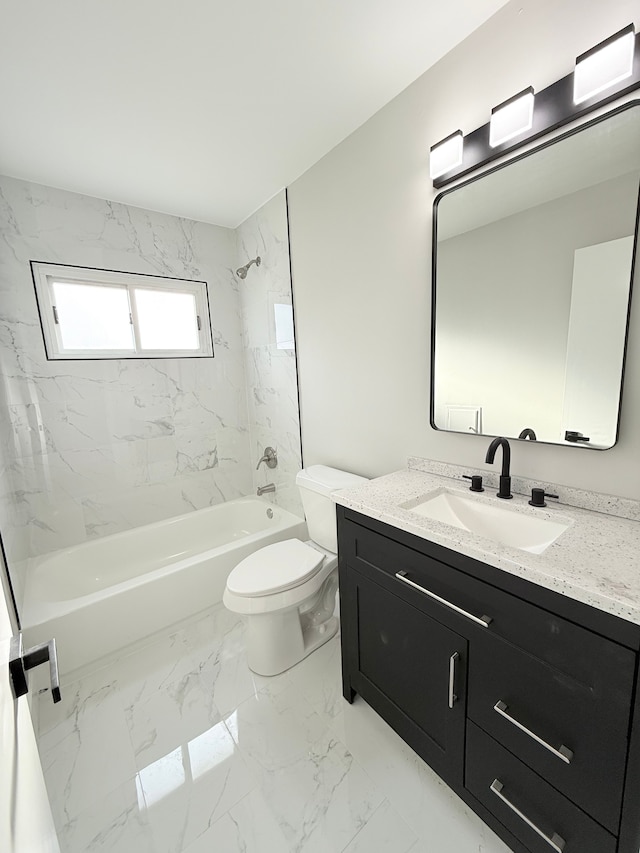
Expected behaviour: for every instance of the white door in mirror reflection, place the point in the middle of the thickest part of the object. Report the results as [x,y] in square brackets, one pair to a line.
[595,342]
[464,418]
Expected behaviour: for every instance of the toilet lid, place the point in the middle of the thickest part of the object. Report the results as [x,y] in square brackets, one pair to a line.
[275,568]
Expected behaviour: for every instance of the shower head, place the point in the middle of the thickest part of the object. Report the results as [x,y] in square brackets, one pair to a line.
[241,272]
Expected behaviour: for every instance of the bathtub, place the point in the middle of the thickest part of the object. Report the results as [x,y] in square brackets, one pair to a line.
[102,595]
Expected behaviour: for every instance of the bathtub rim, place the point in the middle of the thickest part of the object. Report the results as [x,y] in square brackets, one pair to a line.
[39,611]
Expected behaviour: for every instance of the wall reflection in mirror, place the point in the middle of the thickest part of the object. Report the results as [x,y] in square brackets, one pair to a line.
[533,267]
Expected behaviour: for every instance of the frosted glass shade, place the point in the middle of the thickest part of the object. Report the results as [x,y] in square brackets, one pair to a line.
[511,118]
[604,65]
[445,155]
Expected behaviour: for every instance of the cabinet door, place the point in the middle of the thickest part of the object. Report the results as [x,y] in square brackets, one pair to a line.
[410,669]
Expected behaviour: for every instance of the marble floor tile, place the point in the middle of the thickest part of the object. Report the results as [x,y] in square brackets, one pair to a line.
[87,754]
[276,727]
[151,668]
[177,747]
[322,800]
[188,790]
[384,832]
[430,808]
[319,678]
[115,824]
[169,719]
[249,827]
[222,663]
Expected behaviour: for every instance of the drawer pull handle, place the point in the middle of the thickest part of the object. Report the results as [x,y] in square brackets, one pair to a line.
[485,621]
[556,842]
[452,678]
[563,753]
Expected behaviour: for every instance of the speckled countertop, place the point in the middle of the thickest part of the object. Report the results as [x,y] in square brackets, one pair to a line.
[595,561]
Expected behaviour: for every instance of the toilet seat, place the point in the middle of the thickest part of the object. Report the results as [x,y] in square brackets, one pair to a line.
[275,568]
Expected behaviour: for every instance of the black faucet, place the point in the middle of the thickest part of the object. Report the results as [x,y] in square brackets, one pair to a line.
[505,478]
[528,433]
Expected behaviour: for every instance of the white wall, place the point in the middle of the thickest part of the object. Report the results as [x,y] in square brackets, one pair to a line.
[272,382]
[360,224]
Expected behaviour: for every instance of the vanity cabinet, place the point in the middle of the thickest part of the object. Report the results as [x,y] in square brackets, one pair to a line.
[521,699]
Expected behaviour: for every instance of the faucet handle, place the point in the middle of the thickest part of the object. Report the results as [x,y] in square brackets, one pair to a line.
[538,497]
[270,457]
[476,482]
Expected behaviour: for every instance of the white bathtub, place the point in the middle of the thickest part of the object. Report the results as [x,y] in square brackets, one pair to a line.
[96,597]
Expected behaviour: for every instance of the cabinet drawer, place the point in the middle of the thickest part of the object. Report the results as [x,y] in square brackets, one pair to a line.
[588,657]
[525,804]
[573,734]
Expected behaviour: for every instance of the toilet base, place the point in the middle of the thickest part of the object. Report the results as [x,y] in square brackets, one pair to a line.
[279,640]
[275,642]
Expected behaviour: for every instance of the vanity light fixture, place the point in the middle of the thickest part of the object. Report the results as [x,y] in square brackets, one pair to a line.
[608,71]
[446,154]
[602,66]
[512,117]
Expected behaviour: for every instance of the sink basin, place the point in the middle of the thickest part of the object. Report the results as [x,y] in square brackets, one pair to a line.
[523,530]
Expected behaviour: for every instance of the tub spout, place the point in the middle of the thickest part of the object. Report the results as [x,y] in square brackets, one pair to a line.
[270,487]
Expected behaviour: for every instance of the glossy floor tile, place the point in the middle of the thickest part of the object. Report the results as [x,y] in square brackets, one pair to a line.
[177,747]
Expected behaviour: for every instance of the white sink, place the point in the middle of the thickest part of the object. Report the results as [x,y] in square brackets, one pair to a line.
[524,530]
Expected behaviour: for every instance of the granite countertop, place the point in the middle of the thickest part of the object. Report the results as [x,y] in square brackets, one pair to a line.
[596,561]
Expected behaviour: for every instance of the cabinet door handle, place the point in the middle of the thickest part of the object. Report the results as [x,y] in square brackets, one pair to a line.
[452,678]
[555,841]
[485,621]
[563,752]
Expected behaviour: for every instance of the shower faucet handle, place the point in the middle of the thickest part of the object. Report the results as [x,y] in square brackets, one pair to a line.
[270,457]
[20,662]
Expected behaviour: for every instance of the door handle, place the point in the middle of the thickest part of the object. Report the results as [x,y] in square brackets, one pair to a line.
[20,662]
[452,678]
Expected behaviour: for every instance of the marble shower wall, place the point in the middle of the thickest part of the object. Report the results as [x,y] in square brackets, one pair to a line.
[90,448]
[272,382]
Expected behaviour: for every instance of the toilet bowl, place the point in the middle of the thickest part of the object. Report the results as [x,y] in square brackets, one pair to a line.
[287,591]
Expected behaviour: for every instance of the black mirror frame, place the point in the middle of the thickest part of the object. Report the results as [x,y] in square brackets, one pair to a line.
[622,108]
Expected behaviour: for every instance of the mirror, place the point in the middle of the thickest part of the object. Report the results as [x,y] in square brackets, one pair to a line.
[533,264]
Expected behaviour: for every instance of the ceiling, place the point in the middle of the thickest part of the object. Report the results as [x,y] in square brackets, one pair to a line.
[201,108]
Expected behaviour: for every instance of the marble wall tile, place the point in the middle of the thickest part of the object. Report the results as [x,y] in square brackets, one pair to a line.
[271,376]
[95,447]
[90,448]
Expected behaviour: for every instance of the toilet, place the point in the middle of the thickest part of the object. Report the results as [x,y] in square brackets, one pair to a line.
[287,591]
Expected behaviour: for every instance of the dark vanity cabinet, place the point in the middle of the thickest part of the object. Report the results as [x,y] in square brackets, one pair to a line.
[521,699]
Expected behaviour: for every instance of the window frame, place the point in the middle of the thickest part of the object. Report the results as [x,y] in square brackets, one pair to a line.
[45,274]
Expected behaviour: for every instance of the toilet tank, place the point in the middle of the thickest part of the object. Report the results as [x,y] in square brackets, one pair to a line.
[317,483]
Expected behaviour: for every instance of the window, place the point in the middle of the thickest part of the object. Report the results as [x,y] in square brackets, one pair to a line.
[87,313]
